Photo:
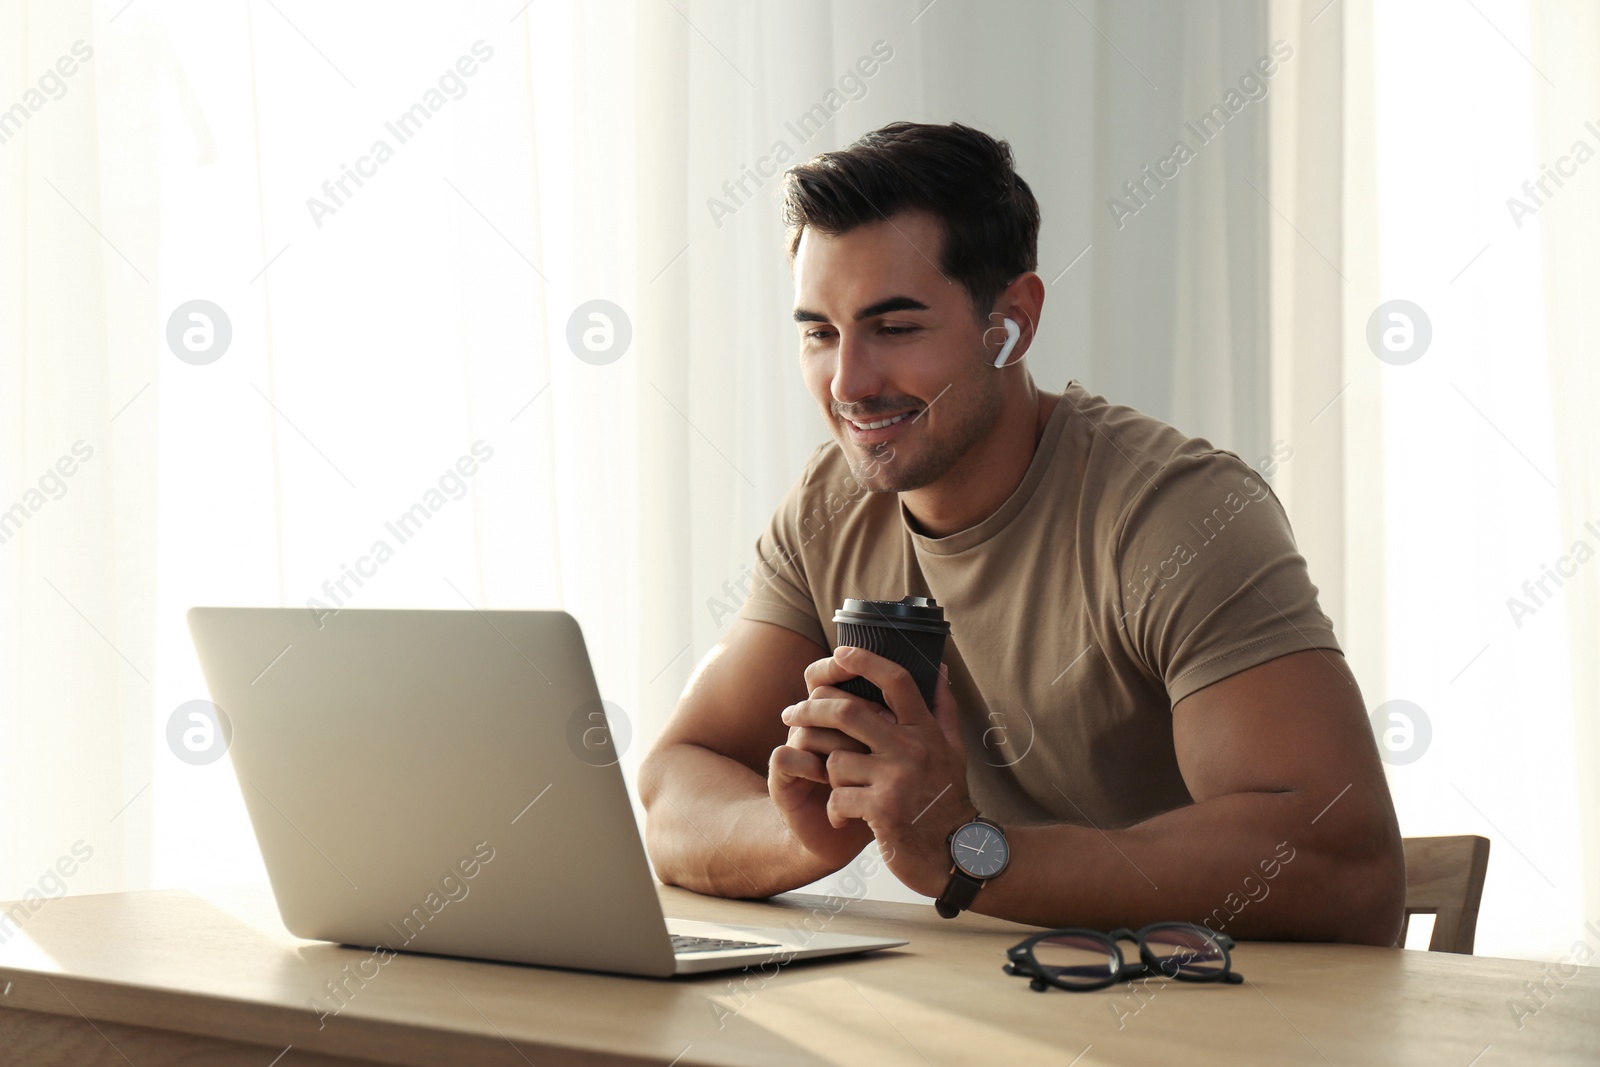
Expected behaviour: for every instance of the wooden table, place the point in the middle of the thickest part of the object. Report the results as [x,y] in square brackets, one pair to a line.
[212,977]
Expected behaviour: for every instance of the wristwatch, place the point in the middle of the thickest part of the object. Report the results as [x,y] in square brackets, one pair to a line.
[978,853]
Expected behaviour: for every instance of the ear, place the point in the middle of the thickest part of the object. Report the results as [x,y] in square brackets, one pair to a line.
[1023,302]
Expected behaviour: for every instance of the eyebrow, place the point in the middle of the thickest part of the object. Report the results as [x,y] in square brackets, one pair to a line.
[882,307]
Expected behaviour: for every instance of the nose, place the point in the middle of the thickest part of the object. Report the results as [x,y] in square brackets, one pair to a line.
[855,372]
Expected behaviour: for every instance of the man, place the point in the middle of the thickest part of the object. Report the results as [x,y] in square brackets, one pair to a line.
[1140,694]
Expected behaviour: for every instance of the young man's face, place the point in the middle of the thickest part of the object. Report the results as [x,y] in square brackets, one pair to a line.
[883,334]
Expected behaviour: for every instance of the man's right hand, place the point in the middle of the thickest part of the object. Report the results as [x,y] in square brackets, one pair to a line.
[728,815]
[797,780]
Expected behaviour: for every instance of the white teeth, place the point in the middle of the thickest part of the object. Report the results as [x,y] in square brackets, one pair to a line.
[879,425]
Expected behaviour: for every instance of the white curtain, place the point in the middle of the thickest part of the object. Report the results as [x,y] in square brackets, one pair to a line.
[391,308]
[1470,472]
[1565,38]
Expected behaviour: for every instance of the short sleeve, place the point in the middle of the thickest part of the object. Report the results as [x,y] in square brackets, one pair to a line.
[1210,581]
[780,592]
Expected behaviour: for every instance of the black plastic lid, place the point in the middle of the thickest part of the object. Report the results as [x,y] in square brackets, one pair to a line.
[912,613]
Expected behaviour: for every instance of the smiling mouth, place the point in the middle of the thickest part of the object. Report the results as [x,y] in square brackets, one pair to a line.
[881,423]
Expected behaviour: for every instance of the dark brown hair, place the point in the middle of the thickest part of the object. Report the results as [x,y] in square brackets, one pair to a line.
[961,176]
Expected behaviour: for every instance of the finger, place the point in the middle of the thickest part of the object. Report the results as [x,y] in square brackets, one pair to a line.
[900,690]
[840,711]
[826,671]
[851,802]
[823,741]
[790,795]
[828,692]
[850,769]
[791,763]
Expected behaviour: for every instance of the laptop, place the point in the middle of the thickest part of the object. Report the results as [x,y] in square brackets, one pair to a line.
[446,782]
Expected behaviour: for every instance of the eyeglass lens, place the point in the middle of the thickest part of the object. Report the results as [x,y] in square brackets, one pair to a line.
[1184,949]
[1074,959]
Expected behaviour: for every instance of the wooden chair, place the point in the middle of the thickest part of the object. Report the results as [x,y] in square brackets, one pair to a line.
[1444,878]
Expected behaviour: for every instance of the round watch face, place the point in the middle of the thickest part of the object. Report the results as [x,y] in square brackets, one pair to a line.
[979,850]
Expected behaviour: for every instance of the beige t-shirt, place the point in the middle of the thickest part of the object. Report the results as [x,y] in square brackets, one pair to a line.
[1132,566]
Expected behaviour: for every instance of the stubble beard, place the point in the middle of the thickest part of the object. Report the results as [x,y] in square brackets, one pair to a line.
[891,467]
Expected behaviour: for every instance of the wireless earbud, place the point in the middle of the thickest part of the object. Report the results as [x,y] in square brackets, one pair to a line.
[1013,335]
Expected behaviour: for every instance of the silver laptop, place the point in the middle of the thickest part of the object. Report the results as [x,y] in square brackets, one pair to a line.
[445,782]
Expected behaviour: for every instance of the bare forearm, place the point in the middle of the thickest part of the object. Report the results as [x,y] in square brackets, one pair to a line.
[1253,865]
[711,827]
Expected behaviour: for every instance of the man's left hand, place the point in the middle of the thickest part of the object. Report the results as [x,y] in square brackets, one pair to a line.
[910,787]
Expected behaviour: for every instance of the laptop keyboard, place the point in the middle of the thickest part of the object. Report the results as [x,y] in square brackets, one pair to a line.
[685,943]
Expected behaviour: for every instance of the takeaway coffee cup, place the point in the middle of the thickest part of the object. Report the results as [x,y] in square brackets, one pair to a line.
[910,631]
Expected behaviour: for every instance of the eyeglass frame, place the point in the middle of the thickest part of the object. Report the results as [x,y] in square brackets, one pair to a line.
[1022,963]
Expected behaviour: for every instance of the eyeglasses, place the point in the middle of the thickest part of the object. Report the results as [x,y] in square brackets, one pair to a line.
[1079,960]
